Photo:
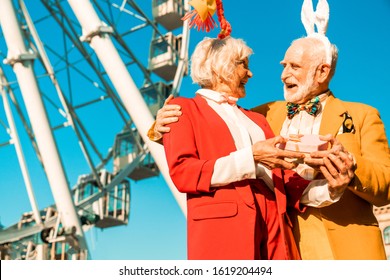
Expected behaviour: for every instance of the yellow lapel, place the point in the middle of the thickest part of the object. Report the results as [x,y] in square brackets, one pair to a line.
[332,117]
[277,116]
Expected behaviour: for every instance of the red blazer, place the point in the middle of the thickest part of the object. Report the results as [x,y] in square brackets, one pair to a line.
[221,221]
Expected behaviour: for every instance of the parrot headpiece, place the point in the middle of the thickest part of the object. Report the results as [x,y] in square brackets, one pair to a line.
[202,16]
[319,19]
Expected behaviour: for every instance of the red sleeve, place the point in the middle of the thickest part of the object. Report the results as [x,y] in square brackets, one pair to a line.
[189,173]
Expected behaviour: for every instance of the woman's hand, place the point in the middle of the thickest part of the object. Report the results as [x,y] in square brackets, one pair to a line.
[268,154]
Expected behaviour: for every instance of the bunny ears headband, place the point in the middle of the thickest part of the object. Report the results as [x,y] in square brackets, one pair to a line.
[202,16]
[319,19]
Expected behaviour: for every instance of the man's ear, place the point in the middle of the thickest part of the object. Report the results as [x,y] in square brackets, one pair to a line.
[323,72]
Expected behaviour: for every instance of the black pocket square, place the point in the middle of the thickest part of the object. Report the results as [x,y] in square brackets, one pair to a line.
[348,126]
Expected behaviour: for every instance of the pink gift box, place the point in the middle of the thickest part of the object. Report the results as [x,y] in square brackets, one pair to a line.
[304,143]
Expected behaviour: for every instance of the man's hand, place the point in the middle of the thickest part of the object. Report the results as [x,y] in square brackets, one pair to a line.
[336,164]
[315,159]
[166,115]
[338,170]
[266,153]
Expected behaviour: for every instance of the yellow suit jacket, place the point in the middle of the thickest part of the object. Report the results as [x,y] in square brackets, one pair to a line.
[347,229]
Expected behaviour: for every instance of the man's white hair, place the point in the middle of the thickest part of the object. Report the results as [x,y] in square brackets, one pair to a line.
[320,54]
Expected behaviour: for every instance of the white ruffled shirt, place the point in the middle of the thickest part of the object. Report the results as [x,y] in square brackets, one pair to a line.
[240,165]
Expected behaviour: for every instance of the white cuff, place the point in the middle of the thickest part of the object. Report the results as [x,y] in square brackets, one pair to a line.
[317,194]
[237,166]
[265,174]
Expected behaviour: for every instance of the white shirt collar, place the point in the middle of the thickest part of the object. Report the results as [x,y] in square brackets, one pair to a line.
[215,95]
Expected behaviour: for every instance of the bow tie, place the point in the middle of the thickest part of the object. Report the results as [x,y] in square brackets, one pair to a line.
[312,107]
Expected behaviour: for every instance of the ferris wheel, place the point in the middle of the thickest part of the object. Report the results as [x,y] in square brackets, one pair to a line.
[79,79]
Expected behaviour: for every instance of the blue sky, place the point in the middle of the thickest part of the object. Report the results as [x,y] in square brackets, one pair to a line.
[157,228]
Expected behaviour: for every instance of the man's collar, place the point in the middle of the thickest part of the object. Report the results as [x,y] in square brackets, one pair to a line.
[323,96]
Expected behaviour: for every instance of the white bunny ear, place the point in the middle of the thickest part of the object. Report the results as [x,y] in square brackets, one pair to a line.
[308,16]
[319,19]
[322,16]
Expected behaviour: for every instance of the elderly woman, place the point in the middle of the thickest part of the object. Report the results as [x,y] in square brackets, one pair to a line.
[221,156]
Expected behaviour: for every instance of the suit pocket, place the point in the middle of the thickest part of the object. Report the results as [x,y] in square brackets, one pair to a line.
[215,210]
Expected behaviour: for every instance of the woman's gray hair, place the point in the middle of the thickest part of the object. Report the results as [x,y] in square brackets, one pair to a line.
[216,58]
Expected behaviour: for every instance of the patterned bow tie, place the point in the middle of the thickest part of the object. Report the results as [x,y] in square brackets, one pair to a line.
[312,107]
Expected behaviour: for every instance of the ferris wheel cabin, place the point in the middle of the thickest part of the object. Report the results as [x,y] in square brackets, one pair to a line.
[109,204]
[168,13]
[155,95]
[128,148]
[164,55]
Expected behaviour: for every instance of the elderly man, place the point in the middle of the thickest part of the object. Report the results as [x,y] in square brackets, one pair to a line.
[346,229]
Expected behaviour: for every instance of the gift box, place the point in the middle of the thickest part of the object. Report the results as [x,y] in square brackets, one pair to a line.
[304,143]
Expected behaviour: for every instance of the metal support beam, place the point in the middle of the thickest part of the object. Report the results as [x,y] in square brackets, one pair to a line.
[19,151]
[22,64]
